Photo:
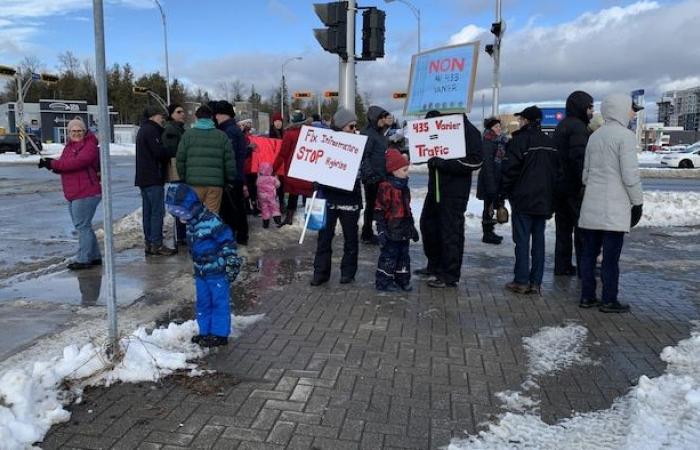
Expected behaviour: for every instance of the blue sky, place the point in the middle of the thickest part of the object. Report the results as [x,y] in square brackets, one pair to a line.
[550,47]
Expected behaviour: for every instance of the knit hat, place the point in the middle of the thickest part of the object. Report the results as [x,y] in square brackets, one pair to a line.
[342,117]
[182,202]
[76,122]
[276,116]
[172,107]
[490,122]
[531,113]
[224,107]
[152,110]
[298,116]
[394,160]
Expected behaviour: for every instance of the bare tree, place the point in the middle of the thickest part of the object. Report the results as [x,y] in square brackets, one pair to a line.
[69,63]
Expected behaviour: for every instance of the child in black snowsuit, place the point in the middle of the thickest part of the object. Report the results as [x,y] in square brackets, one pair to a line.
[392,211]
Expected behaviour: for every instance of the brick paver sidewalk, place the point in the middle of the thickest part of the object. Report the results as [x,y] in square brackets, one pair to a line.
[341,367]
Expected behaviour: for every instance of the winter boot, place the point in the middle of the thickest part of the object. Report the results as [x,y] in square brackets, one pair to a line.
[289,217]
[148,249]
[489,236]
[266,223]
[162,250]
[278,220]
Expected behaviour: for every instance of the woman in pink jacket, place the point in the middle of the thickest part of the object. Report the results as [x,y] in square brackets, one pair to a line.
[79,167]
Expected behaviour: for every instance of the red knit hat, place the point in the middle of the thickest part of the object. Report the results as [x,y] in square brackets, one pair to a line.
[395,160]
[276,116]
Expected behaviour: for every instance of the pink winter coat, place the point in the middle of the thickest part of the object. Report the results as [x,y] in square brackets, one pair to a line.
[78,166]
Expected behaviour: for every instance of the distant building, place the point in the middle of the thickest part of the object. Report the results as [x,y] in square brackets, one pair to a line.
[48,118]
[680,108]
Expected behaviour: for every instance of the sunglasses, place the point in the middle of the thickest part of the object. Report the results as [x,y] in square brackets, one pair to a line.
[180,111]
[351,126]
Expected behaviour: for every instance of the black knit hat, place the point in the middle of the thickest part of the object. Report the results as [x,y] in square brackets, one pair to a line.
[224,107]
[489,122]
[152,110]
[172,107]
[531,113]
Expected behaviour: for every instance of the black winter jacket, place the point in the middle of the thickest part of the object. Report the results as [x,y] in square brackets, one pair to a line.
[530,171]
[342,199]
[570,138]
[151,157]
[490,174]
[238,144]
[455,175]
[373,167]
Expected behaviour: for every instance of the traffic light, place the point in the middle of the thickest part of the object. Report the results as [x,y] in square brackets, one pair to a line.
[489,49]
[140,90]
[7,71]
[398,95]
[330,94]
[49,78]
[334,38]
[302,94]
[373,33]
[497,29]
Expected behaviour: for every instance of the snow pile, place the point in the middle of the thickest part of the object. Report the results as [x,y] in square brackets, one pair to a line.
[649,158]
[656,172]
[54,151]
[666,209]
[661,412]
[32,398]
[555,348]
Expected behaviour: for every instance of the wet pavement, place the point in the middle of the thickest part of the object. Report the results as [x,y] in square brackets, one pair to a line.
[340,366]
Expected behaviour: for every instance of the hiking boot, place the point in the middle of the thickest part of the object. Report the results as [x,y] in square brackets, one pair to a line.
[214,341]
[199,339]
[80,266]
[266,223]
[534,289]
[346,280]
[517,287]
[614,307]
[162,250]
[406,287]
[492,238]
[440,284]
[278,221]
[588,303]
[318,280]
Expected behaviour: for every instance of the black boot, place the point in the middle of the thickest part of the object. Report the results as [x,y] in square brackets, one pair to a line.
[489,236]
[289,218]
[266,223]
[278,220]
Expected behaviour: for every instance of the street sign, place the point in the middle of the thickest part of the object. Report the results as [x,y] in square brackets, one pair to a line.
[36,76]
[552,116]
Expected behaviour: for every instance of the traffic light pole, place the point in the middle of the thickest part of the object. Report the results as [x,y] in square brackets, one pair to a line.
[496,64]
[347,67]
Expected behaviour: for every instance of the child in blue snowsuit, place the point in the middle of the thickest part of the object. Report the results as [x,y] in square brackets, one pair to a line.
[216,263]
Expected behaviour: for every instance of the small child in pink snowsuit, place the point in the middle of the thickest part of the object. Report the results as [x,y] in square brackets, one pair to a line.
[267,194]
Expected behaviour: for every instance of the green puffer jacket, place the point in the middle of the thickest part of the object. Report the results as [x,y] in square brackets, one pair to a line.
[205,157]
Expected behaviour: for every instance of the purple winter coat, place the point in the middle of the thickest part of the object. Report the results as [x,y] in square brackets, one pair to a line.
[78,166]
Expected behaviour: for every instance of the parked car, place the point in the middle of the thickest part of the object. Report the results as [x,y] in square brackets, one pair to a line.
[10,143]
[687,159]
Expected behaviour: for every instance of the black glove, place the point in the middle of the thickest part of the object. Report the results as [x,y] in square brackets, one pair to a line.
[316,186]
[435,162]
[414,235]
[45,163]
[636,215]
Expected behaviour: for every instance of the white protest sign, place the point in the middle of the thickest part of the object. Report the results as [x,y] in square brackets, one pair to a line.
[327,157]
[440,136]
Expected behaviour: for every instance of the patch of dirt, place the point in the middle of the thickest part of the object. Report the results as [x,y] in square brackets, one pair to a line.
[213,384]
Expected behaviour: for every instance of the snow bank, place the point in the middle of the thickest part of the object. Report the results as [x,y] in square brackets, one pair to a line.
[654,172]
[667,209]
[54,151]
[649,158]
[32,398]
[661,412]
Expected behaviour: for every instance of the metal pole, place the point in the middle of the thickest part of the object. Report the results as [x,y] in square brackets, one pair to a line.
[282,96]
[103,118]
[348,88]
[496,63]
[318,102]
[20,113]
[167,65]
[418,17]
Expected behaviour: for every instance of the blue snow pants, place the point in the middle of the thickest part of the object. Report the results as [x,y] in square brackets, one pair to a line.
[213,307]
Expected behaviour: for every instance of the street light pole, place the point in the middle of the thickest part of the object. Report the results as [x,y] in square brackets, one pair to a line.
[416,12]
[165,40]
[294,58]
[496,64]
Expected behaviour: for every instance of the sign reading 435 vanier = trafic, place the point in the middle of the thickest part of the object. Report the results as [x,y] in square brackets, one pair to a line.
[442,79]
[327,157]
[440,136]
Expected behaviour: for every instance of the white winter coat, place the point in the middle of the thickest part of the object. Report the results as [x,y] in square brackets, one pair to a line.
[611,170]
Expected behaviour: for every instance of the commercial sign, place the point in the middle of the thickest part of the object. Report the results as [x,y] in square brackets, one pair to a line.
[440,136]
[552,116]
[327,157]
[442,79]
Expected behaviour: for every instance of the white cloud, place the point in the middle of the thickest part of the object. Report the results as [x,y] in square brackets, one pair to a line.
[470,33]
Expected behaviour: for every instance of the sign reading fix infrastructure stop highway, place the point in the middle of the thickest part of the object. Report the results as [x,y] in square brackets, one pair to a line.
[440,136]
[327,157]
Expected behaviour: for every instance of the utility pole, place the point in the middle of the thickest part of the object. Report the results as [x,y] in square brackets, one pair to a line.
[347,68]
[103,118]
[494,50]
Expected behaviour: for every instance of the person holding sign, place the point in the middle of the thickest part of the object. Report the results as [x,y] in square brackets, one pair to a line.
[392,211]
[343,206]
[442,219]
[374,164]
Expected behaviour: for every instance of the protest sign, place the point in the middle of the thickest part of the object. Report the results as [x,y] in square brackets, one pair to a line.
[440,136]
[327,157]
[442,79]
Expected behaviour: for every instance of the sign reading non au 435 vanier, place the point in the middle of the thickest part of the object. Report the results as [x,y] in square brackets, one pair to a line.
[327,157]
[440,136]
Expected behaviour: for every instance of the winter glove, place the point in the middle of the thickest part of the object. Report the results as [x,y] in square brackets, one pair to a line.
[636,215]
[45,163]
[415,237]
[435,162]
[233,267]
[382,238]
